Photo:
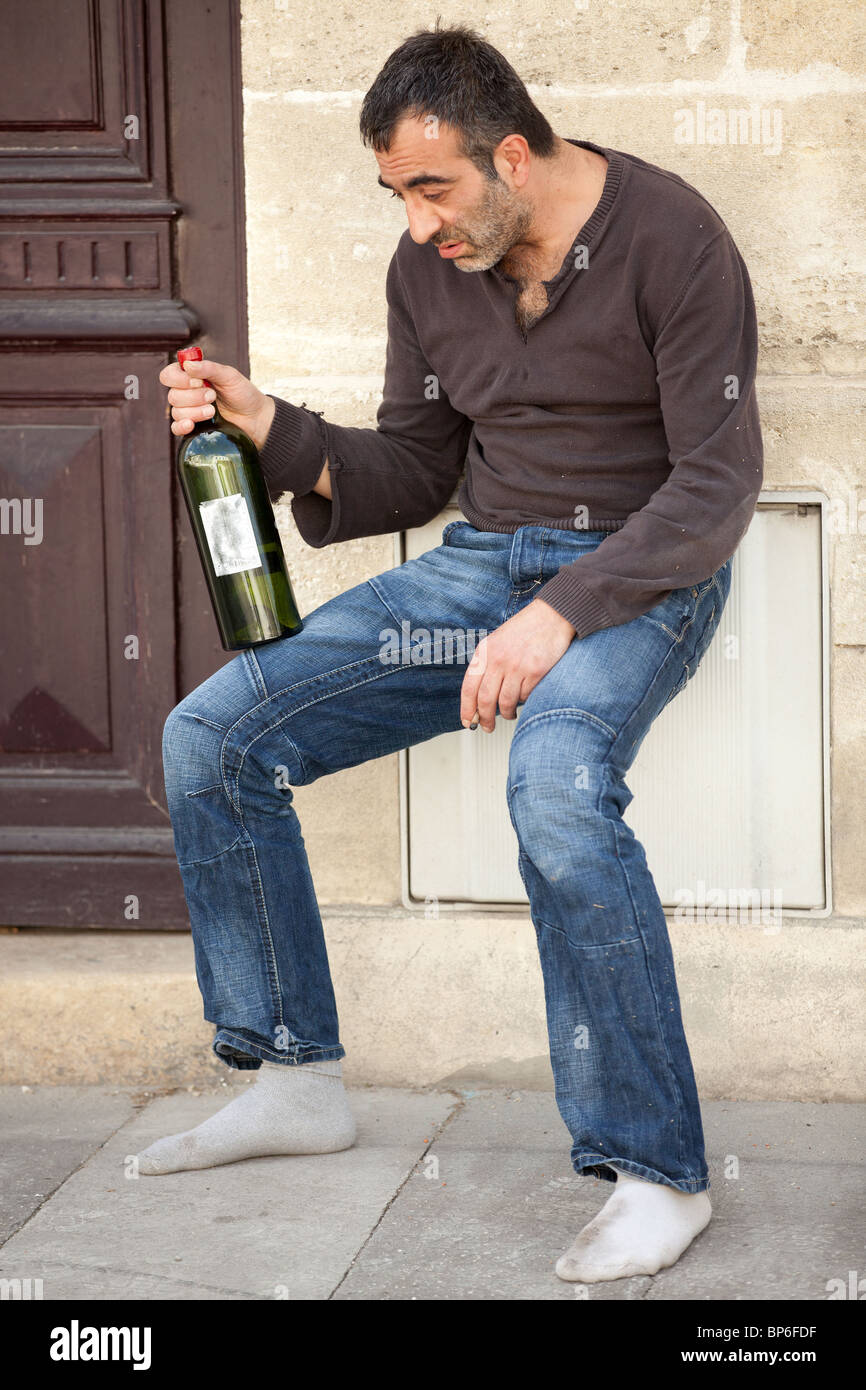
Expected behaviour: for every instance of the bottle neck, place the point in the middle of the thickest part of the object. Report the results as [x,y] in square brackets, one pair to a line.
[213,422]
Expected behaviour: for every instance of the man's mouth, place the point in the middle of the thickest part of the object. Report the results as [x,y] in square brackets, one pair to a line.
[450,248]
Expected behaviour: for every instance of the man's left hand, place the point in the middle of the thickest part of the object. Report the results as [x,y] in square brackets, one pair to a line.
[509,663]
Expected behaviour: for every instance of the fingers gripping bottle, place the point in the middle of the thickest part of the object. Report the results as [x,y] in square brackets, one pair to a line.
[235,531]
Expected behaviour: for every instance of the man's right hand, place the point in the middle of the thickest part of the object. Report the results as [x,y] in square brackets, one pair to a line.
[239,401]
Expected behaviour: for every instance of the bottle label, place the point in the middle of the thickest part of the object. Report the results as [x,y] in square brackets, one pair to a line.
[230,536]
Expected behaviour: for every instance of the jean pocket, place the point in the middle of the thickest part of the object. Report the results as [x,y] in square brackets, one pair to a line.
[714,607]
[676,610]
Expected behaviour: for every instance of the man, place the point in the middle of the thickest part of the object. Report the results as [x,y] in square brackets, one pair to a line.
[576,327]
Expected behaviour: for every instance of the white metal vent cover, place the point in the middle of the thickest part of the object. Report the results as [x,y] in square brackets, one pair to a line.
[731,784]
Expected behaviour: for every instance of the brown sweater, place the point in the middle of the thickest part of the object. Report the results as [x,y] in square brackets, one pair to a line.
[628,406]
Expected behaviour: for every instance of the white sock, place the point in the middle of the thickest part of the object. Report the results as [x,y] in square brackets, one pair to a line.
[643,1227]
[300,1109]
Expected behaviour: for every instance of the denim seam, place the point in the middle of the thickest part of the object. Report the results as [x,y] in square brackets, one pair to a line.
[705,588]
[586,1156]
[209,859]
[545,541]
[194,863]
[664,627]
[520,854]
[687,665]
[384,602]
[595,945]
[633,711]
[563,710]
[200,719]
[265,926]
[297,685]
[341,690]
[676,638]
[296,1042]
[308,680]
[605,776]
[297,752]
[258,678]
[606,773]
[698,595]
[279,1052]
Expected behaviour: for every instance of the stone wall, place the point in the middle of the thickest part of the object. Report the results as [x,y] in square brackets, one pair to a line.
[759,105]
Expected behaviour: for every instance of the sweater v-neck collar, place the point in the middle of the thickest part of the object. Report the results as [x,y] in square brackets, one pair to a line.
[594,222]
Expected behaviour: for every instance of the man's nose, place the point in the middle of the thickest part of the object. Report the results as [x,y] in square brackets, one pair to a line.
[423,223]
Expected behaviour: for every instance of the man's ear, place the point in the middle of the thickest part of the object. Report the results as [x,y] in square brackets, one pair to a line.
[517,156]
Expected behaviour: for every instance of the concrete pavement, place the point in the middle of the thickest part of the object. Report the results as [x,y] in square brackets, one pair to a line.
[447,1195]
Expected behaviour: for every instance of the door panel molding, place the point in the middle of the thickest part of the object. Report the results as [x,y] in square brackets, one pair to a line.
[114,251]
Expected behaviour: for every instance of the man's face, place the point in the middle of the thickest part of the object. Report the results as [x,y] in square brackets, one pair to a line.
[448,199]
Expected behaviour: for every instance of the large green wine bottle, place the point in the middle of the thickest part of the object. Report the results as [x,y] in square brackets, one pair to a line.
[235,531]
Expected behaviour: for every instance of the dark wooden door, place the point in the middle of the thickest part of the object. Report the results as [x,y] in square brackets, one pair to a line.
[121,239]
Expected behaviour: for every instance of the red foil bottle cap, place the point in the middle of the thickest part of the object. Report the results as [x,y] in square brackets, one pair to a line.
[193,354]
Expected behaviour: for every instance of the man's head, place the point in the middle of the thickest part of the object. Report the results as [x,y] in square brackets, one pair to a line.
[447,106]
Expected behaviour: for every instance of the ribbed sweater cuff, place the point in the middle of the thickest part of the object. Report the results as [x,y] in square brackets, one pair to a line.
[293,455]
[577,604]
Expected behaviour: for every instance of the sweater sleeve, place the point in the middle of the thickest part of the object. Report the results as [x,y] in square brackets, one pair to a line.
[705,352]
[390,478]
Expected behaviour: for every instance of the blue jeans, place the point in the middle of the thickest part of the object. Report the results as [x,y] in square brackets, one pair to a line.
[286,713]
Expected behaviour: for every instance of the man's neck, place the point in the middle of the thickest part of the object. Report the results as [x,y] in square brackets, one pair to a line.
[569,188]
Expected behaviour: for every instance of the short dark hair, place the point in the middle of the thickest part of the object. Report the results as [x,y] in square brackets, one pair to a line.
[455,75]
